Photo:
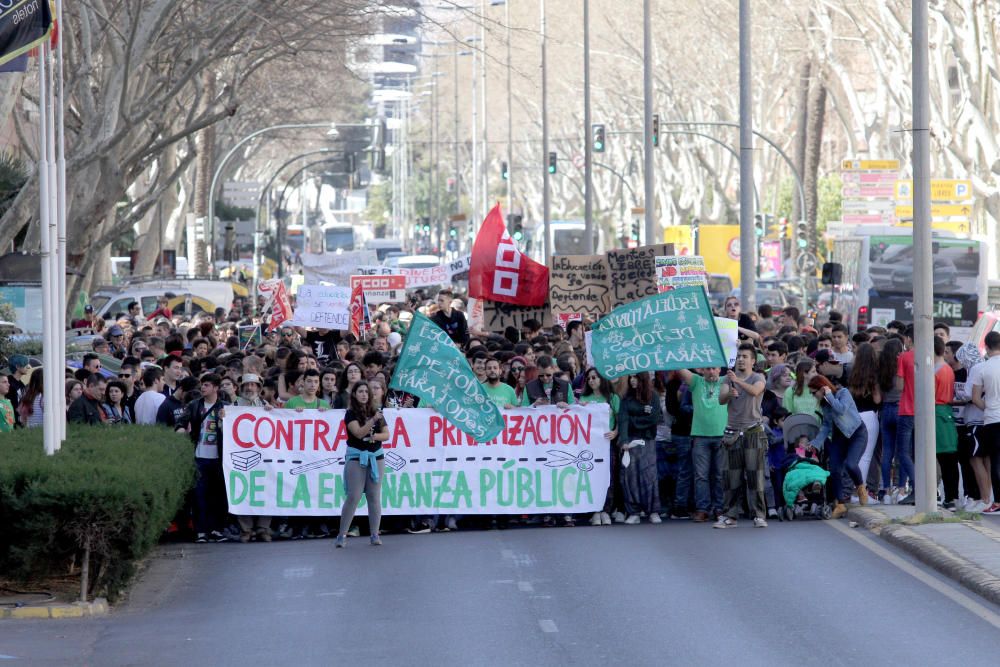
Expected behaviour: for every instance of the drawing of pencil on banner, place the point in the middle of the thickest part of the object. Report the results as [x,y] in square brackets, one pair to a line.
[315,465]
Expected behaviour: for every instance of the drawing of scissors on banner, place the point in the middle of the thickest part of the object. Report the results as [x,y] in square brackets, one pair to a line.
[583,461]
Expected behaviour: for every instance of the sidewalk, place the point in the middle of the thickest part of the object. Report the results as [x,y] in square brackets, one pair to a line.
[966,551]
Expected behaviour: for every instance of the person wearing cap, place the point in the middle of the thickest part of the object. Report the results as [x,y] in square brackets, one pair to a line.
[250,386]
[116,341]
[87,321]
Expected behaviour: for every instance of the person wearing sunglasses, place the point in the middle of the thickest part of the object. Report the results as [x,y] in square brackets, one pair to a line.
[547,389]
[732,309]
[597,389]
[517,377]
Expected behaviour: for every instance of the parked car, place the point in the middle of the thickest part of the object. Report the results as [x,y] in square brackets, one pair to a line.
[719,287]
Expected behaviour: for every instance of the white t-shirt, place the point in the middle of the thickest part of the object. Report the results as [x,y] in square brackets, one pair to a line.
[147,405]
[990,380]
[972,414]
[843,357]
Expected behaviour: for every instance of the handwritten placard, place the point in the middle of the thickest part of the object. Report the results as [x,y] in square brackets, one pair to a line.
[632,272]
[578,285]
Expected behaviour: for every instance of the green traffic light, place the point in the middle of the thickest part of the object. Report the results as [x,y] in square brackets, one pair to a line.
[453,232]
[518,236]
[803,243]
[598,146]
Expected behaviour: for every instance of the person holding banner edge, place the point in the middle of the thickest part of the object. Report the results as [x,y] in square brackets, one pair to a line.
[363,470]
[637,419]
[598,390]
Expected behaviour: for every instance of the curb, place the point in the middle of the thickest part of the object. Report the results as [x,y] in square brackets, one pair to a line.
[98,607]
[927,551]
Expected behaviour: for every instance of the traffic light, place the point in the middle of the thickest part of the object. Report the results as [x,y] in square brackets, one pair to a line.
[598,137]
[782,228]
[426,224]
[635,230]
[656,129]
[352,163]
[453,232]
[802,234]
[759,225]
[504,171]
[552,162]
[517,226]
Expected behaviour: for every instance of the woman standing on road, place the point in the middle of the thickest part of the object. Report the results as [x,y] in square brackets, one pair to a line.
[864,386]
[638,416]
[596,389]
[848,437]
[366,431]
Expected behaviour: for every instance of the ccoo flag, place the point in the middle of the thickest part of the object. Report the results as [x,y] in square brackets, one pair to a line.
[23,25]
[432,368]
[501,272]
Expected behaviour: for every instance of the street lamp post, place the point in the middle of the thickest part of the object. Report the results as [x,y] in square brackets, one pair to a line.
[510,119]
[748,244]
[546,203]
[649,178]
[588,152]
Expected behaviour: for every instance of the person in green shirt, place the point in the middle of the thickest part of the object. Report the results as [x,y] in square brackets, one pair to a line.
[798,400]
[597,389]
[500,393]
[708,422]
[309,398]
[6,409]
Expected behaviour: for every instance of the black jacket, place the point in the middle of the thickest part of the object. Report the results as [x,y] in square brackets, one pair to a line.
[193,417]
[558,393]
[85,410]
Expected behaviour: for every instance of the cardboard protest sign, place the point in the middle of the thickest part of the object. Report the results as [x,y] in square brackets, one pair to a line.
[431,367]
[498,316]
[323,307]
[544,460]
[662,332]
[632,272]
[250,335]
[578,284]
[729,336]
[335,268]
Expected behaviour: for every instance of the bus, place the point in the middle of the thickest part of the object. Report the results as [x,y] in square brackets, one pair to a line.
[877,279]
[567,237]
[338,236]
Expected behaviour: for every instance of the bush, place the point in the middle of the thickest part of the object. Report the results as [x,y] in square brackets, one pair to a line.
[114,488]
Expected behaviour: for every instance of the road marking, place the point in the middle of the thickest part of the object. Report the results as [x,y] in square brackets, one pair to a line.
[962,599]
[525,587]
[8,657]
[548,625]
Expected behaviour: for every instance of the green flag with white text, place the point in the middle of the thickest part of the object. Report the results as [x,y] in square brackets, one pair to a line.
[432,368]
[662,332]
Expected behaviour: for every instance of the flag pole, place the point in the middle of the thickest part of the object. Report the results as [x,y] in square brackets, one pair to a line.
[49,428]
[60,208]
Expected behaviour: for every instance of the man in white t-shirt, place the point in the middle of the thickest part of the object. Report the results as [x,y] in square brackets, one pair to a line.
[148,403]
[985,395]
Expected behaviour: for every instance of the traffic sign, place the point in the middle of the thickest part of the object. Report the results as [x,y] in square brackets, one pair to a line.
[957,227]
[882,190]
[865,205]
[578,160]
[870,165]
[806,262]
[942,190]
[876,178]
[884,218]
[938,211]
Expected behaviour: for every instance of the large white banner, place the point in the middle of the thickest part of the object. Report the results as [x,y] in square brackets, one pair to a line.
[335,268]
[546,461]
[443,274]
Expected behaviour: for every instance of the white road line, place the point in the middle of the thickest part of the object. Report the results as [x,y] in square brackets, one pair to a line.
[965,600]
[548,625]
[525,587]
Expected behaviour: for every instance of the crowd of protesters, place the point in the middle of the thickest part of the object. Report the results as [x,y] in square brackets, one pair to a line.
[698,444]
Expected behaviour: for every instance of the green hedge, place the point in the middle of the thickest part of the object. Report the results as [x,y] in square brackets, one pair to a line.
[116,487]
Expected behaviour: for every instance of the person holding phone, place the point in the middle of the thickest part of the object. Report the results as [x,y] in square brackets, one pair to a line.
[744,440]
[363,470]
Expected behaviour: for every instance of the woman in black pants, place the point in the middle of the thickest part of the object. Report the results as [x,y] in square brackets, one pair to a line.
[363,470]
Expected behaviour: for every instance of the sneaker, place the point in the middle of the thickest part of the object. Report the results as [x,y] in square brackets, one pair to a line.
[759,522]
[569,521]
[632,520]
[324,531]
[908,500]
[595,519]
[419,529]
[882,493]
[605,519]
[949,505]
[680,515]
[245,537]
[992,509]
[977,507]
[548,521]
[772,513]
[217,536]
[969,504]
[264,535]
[354,532]
[376,540]
[618,517]
[724,522]
[873,499]
[699,517]
[452,523]
[655,518]
[284,531]
[201,538]
[839,510]
[862,494]
[341,541]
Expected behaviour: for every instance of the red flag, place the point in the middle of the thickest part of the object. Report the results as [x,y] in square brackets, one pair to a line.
[501,272]
[275,299]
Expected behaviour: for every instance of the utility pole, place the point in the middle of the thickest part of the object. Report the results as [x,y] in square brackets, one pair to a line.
[510,118]
[474,172]
[546,203]
[588,152]
[748,239]
[648,177]
[925,477]
[458,173]
[485,160]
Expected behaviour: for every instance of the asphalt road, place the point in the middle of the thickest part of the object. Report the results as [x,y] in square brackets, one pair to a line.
[676,594]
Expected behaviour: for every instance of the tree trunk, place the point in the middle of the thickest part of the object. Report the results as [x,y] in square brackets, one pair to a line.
[813,156]
[801,130]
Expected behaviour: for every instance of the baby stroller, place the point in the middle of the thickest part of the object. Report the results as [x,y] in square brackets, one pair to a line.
[804,486]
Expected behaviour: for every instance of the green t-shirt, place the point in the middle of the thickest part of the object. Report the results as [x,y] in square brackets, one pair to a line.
[6,416]
[710,416]
[805,404]
[616,404]
[298,402]
[502,394]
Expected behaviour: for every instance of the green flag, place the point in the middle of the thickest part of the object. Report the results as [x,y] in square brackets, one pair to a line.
[432,368]
[662,332]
